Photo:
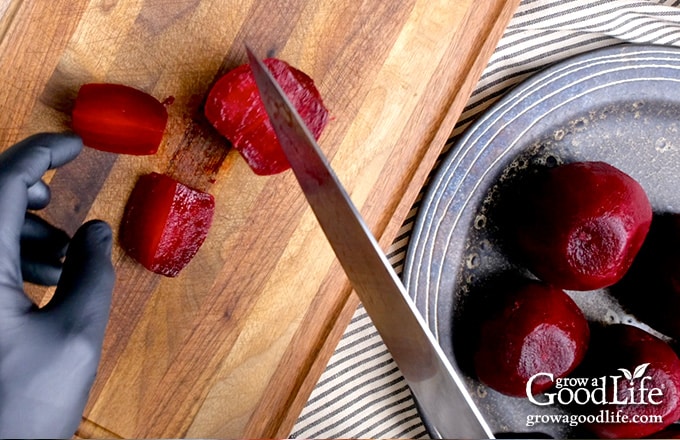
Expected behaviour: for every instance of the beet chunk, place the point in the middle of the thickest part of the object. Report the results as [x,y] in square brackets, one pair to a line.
[119,119]
[580,225]
[165,223]
[622,347]
[538,329]
[235,109]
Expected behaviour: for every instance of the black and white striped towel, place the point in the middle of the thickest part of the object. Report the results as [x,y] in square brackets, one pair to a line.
[362,394]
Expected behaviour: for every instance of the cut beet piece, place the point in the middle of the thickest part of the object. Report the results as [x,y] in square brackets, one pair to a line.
[536,329]
[165,223]
[119,119]
[580,225]
[235,109]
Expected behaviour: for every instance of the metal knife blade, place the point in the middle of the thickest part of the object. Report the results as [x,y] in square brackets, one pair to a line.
[436,386]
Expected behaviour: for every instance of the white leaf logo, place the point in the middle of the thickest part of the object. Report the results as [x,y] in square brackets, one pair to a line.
[626,373]
[637,373]
[640,370]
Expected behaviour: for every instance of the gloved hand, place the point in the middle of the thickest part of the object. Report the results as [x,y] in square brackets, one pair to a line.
[48,356]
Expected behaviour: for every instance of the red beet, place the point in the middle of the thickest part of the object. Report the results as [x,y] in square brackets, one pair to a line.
[119,119]
[539,329]
[165,223]
[235,109]
[580,225]
[624,347]
[651,288]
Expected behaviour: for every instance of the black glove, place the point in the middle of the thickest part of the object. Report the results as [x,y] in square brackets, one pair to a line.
[48,356]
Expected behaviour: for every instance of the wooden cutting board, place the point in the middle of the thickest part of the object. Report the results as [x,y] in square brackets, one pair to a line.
[234,345]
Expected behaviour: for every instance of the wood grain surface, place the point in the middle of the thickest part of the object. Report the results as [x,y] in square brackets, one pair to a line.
[234,345]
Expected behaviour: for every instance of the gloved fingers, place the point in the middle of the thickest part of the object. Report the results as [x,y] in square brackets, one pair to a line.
[41,239]
[39,195]
[63,148]
[83,296]
[22,167]
[41,273]
[43,248]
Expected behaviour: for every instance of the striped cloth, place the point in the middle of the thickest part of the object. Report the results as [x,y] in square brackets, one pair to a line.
[361,394]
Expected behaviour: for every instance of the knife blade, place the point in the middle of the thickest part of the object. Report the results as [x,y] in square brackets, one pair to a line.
[439,392]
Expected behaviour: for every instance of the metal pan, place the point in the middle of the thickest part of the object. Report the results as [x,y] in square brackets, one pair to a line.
[620,105]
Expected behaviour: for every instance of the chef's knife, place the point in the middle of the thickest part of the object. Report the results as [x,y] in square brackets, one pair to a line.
[436,386]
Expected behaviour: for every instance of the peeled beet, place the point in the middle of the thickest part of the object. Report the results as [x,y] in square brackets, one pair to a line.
[235,109]
[580,225]
[538,329]
[165,223]
[624,347]
[651,288]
